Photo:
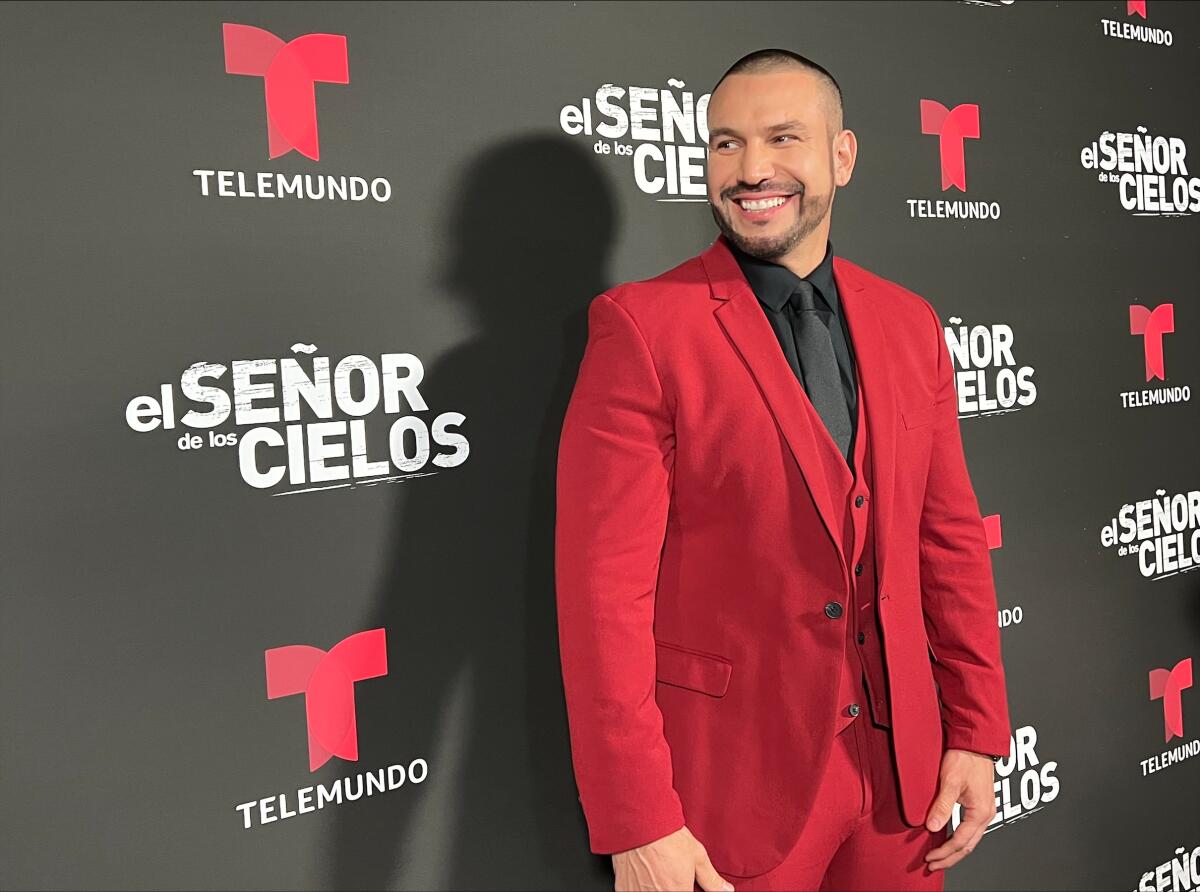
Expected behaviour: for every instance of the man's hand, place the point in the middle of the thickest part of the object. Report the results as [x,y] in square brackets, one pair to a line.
[968,778]
[674,862]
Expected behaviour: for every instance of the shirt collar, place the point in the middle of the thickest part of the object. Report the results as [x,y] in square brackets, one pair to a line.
[773,283]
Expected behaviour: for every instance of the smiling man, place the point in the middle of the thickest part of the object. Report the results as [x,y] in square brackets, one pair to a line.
[777,618]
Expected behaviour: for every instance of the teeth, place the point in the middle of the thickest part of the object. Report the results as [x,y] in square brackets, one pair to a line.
[762,204]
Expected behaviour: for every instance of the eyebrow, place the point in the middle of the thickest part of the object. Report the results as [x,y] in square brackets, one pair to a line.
[774,128]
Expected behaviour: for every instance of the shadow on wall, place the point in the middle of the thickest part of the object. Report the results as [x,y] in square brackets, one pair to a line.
[467,595]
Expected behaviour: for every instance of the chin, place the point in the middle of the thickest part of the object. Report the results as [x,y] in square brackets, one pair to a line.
[768,245]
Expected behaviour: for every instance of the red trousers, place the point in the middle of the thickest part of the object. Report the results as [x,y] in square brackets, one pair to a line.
[855,839]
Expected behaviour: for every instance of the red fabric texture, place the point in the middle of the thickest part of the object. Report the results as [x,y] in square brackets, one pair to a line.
[700,536]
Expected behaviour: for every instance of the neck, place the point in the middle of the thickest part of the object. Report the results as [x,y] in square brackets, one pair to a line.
[808,254]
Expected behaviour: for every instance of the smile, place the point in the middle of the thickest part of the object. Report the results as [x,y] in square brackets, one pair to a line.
[762,204]
[761,208]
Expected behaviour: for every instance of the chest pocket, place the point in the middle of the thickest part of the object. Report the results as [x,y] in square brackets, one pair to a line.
[923,415]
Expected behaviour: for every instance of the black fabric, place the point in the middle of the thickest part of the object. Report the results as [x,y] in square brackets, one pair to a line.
[774,285]
[821,378]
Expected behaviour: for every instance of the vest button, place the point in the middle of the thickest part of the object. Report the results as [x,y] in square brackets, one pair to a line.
[833,610]
[862,636]
[858,502]
[858,569]
[853,709]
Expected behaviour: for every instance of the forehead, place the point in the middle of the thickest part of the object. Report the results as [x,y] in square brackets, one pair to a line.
[759,100]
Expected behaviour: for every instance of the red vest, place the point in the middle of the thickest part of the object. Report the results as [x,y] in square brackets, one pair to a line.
[862,678]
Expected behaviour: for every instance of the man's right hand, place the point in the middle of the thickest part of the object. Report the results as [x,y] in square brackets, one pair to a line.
[676,862]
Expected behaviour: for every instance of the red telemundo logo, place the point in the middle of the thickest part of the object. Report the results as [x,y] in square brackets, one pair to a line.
[326,679]
[289,72]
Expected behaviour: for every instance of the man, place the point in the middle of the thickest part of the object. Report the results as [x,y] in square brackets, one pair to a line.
[776,611]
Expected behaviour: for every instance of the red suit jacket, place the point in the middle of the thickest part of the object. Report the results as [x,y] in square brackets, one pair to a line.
[694,556]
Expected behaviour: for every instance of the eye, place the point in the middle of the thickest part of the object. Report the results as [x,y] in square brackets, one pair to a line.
[785,136]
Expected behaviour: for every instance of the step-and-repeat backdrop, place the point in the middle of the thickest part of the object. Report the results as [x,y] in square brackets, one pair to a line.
[294,298]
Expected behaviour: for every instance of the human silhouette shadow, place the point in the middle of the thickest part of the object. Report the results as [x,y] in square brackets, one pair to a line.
[467,595]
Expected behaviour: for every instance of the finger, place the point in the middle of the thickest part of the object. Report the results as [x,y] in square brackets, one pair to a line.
[956,841]
[946,849]
[708,878]
[949,859]
[972,823]
[942,808]
[975,840]
[946,863]
[954,858]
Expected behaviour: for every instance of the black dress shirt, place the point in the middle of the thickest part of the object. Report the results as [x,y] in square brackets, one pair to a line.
[773,284]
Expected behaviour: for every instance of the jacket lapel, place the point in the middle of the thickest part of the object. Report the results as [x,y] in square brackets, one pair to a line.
[743,320]
[739,314]
[876,387]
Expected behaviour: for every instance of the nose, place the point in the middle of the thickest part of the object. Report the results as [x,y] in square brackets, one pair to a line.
[756,163]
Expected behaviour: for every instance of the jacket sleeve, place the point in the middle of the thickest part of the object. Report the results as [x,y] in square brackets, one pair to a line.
[958,595]
[615,464]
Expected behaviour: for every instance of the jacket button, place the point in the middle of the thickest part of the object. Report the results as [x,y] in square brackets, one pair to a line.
[858,569]
[858,502]
[833,610]
[862,636]
[853,709]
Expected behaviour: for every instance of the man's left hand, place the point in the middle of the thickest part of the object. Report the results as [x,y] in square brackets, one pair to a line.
[969,779]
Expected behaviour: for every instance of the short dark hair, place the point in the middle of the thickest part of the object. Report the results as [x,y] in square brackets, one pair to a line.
[771,59]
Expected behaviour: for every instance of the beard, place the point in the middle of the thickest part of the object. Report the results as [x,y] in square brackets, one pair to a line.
[812,210]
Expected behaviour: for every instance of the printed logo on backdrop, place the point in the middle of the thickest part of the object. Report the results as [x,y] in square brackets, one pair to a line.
[1149,326]
[1025,784]
[326,679]
[953,127]
[1180,874]
[992,530]
[288,72]
[298,425]
[987,379]
[1162,533]
[1150,172]
[1168,686]
[1136,25]
[660,135]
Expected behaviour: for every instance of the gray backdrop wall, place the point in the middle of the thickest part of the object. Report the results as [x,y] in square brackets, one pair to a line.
[236,421]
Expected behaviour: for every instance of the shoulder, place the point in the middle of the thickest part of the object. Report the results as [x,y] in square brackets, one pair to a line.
[663,295]
[890,296]
[915,337]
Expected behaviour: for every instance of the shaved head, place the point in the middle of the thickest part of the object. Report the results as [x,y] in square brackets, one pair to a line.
[768,61]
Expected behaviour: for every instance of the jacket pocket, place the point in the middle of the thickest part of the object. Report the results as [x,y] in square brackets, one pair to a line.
[692,669]
[920,416]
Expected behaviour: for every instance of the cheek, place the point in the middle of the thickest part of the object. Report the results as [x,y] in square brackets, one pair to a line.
[811,171]
[720,174]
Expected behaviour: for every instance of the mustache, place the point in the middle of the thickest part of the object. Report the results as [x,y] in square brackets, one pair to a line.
[741,189]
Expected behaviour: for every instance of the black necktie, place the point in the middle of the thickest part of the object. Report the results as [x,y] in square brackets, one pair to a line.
[822,379]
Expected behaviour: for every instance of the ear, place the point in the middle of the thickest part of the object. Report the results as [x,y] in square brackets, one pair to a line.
[845,153]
